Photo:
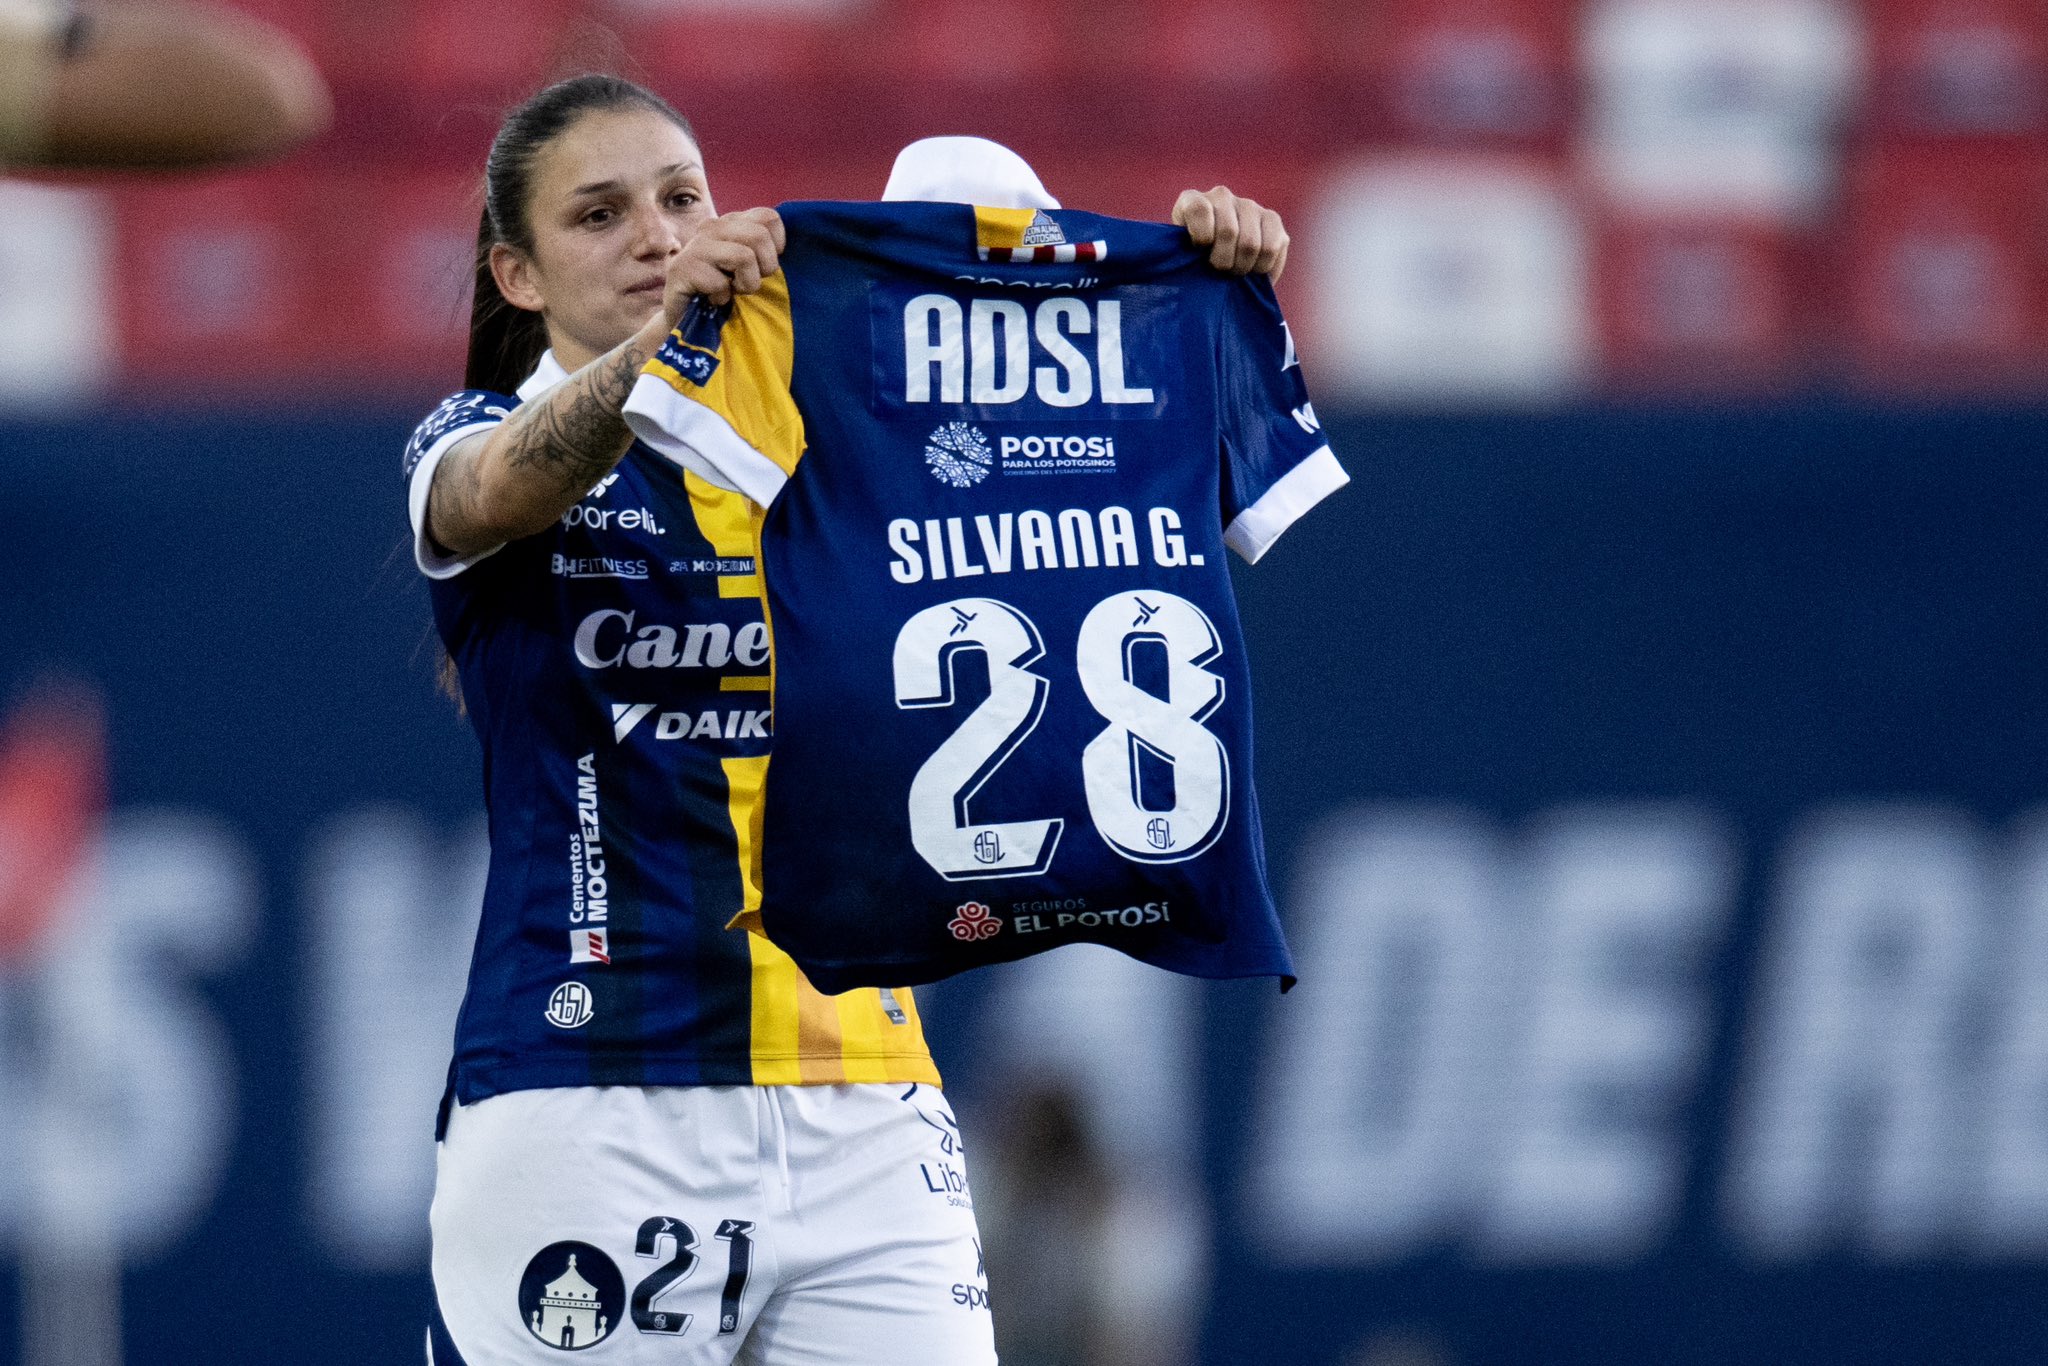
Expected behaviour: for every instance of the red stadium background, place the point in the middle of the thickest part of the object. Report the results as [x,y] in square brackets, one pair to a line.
[1732,198]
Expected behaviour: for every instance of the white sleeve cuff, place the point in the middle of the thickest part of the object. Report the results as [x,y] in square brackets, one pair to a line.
[700,440]
[433,561]
[1252,532]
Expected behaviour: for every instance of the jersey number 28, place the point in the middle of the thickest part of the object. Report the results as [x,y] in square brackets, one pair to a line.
[1124,807]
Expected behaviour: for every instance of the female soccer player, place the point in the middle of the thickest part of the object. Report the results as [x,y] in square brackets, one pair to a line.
[656,1131]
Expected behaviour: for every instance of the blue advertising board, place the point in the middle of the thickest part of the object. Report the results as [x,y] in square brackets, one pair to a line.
[1656,801]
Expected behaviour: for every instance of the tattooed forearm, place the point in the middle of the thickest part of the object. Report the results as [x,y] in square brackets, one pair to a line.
[577,433]
[457,499]
[541,461]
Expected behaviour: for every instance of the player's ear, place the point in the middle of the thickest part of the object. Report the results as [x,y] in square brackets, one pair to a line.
[514,272]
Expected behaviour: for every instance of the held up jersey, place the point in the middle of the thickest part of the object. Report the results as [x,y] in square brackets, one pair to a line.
[1002,454]
[616,670]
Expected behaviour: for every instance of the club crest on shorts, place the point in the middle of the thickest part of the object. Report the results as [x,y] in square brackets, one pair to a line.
[571,1296]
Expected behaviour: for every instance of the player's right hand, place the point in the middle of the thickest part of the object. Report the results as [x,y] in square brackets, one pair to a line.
[728,256]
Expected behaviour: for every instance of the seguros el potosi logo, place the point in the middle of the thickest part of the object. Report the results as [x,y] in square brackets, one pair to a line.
[959,455]
[973,921]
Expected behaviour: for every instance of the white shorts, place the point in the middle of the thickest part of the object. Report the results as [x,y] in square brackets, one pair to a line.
[691,1225]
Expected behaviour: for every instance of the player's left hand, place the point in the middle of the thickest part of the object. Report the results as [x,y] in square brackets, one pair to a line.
[1242,235]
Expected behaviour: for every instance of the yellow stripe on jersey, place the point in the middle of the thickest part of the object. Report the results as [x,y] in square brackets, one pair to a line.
[802,1038]
[744,780]
[775,1047]
[805,1038]
[750,386]
[731,522]
[903,1045]
[726,519]
[862,1025]
[869,1032]
[1001,227]
[821,1056]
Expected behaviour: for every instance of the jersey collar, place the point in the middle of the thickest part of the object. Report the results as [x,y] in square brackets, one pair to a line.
[545,376]
[953,170]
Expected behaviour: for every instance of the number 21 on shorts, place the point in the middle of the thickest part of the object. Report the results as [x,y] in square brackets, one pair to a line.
[1167,731]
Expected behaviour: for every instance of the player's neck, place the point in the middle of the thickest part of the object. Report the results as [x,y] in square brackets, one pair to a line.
[571,354]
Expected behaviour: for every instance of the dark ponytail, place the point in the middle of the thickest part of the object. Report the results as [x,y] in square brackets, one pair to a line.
[506,342]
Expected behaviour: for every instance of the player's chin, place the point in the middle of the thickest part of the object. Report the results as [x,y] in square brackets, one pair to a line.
[624,321]
[636,306]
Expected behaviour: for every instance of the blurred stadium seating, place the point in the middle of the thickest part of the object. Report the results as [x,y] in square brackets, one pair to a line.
[1741,194]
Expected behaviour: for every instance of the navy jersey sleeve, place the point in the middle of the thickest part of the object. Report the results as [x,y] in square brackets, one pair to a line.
[458,416]
[1277,464]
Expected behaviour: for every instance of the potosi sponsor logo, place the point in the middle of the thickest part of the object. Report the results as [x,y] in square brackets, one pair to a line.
[988,352]
[973,922]
[958,454]
[1057,454]
[610,639]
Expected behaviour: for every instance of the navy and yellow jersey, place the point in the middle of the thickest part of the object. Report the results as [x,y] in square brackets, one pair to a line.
[1002,454]
[616,670]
